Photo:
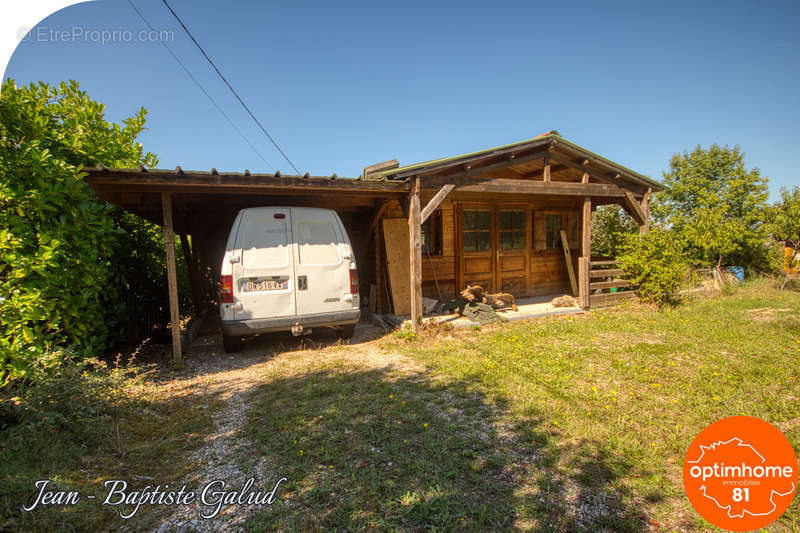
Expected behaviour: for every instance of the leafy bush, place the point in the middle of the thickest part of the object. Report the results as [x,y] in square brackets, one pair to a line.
[656,263]
[610,227]
[64,254]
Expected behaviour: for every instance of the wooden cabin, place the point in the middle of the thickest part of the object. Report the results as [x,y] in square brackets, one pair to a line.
[495,218]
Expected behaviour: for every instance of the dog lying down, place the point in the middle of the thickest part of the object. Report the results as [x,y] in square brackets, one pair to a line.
[476,293]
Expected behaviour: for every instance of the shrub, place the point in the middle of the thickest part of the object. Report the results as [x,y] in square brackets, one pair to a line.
[64,254]
[656,263]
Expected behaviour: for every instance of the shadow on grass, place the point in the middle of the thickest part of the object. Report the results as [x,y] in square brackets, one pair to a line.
[78,428]
[381,450]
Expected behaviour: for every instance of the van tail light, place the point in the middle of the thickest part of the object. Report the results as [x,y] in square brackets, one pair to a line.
[353,281]
[226,289]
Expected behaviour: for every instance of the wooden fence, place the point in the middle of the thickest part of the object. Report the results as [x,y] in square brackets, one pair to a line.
[606,284]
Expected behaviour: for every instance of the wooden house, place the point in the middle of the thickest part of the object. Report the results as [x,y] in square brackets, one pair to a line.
[494,218]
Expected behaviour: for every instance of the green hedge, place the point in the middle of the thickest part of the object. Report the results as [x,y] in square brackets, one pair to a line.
[65,256]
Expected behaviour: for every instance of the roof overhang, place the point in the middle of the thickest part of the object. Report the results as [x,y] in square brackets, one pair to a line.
[574,160]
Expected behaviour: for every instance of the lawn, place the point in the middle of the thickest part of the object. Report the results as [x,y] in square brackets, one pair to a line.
[577,423]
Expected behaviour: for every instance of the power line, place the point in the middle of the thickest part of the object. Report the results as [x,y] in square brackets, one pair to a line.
[275,144]
[188,73]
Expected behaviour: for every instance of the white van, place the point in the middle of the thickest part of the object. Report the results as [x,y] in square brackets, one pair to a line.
[287,269]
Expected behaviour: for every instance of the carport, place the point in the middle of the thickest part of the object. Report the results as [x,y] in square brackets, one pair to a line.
[513,218]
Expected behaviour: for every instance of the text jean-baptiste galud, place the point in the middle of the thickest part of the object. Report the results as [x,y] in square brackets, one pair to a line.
[213,495]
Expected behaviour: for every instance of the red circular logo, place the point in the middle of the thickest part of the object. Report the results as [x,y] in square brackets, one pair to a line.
[740,473]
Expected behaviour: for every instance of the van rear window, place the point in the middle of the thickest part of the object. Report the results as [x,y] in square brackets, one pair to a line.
[263,243]
[318,242]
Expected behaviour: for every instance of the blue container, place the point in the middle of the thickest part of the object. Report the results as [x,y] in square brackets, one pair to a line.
[738,272]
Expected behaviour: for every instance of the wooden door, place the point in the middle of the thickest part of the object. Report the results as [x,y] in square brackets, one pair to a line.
[512,250]
[476,229]
[494,245]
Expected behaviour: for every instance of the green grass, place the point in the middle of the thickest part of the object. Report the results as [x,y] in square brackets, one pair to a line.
[81,425]
[577,423]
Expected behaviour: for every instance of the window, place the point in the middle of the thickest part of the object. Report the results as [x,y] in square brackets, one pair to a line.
[432,234]
[512,230]
[317,242]
[554,224]
[476,230]
[264,243]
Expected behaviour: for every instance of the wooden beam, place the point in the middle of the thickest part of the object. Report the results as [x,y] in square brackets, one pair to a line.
[645,205]
[435,201]
[509,155]
[553,188]
[415,255]
[633,207]
[582,167]
[568,258]
[172,279]
[546,172]
[376,218]
[459,171]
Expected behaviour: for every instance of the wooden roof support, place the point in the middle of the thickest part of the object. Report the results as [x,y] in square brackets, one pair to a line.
[172,279]
[517,186]
[415,255]
[546,170]
[634,208]
[645,205]
[435,201]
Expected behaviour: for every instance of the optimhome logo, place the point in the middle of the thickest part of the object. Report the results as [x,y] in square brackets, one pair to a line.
[740,473]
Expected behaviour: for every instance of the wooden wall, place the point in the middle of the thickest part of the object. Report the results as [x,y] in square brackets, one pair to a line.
[547,267]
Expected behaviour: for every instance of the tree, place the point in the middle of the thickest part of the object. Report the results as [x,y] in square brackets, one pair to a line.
[62,255]
[783,224]
[610,226]
[717,204]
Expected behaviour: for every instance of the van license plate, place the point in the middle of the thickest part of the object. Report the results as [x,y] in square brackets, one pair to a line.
[266,285]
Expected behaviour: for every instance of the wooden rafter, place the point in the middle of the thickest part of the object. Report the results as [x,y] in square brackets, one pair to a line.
[634,208]
[435,201]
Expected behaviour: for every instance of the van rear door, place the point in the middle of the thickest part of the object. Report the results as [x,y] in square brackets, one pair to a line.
[322,262]
[263,274]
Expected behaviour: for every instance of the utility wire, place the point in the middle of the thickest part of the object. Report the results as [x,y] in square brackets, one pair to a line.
[275,144]
[188,73]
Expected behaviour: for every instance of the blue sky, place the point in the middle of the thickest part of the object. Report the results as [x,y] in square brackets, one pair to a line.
[341,85]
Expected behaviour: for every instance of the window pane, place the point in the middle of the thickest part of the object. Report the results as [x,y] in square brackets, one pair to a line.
[506,240]
[469,241]
[468,220]
[505,219]
[519,220]
[317,242]
[484,220]
[519,240]
[484,241]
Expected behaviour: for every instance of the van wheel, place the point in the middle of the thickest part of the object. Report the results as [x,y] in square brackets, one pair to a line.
[346,332]
[232,343]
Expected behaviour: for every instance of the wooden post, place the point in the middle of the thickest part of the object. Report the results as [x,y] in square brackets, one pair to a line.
[172,278]
[415,252]
[546,176]
[583,282]
[644,228]
[586,252]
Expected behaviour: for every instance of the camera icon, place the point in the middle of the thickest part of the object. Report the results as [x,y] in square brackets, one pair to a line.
[24,33]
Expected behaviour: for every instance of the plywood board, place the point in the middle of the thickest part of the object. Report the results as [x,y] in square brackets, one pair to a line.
[395,238]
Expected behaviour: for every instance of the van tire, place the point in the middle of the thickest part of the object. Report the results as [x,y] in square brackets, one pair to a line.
[346,332]
[232,343]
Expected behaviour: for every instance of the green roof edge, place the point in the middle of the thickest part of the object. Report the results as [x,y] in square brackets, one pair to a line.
[553,134]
